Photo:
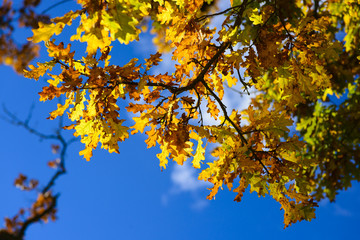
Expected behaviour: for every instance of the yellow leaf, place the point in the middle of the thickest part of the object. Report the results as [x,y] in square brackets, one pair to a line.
[199,154]
[87,153]
[290,156]
[84,128]
[68,17]
[140,124]
[54,82]
[165,14]
[77,111]
[152,137]
[37,72]
[231,80]
[45,31]
[255,17]
[163,155]
[329,91]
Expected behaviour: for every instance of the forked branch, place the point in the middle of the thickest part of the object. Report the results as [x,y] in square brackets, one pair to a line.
[44,207]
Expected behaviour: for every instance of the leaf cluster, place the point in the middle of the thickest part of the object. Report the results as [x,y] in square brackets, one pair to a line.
[289,53]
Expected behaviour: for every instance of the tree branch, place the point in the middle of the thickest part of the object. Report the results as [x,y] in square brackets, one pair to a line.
[237,129]
[37,217]
[64,144]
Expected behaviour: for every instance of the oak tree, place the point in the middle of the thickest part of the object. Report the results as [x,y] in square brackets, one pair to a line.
[299,56]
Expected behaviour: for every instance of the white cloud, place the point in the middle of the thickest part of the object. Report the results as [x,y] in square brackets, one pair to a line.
[200,204]
[340,211]
[184,179]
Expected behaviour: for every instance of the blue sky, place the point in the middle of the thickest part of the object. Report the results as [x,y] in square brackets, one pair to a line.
[126,196]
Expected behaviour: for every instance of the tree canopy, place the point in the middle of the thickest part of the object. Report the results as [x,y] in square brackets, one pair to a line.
[298,140]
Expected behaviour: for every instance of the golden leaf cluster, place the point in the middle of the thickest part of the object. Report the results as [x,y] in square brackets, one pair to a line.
[288,53]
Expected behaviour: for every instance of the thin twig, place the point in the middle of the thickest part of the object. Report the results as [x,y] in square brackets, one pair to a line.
[237,129]
[202,18]
[238,91]
[13,119]
[55,5]
[242,81]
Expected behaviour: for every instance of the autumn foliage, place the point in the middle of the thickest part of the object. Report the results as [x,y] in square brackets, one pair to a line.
[11,51]
[299,57]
